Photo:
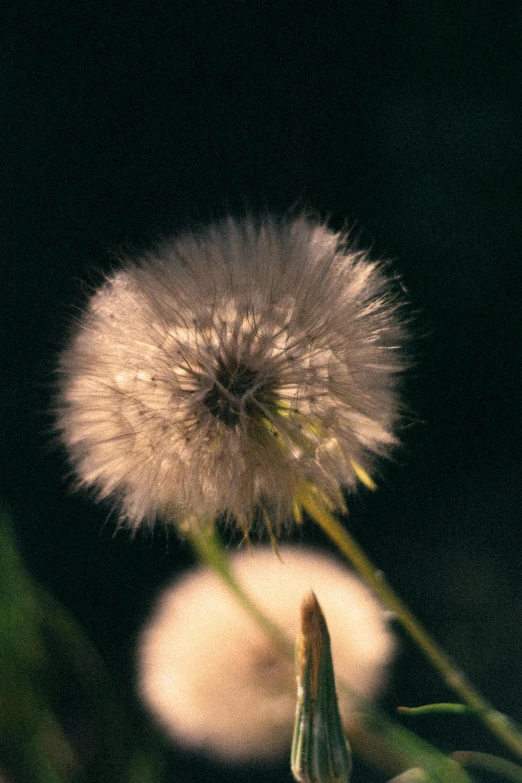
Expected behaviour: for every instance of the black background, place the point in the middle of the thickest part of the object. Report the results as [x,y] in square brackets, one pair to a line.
[122,121]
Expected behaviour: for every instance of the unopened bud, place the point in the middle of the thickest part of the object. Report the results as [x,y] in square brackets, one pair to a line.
[320,753]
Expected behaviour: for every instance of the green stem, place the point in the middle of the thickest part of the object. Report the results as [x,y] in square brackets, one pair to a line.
[417,752]
[210,551]
[499,724]
[499,766]
[397,740]
[445,708]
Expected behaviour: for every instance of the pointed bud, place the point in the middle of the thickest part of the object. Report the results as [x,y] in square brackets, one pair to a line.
[320,753]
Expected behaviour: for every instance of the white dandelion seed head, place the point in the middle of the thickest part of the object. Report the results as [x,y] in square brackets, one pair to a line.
[217,374]
[216,682]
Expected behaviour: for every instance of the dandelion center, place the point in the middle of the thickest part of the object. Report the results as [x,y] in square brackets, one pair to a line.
[237,391]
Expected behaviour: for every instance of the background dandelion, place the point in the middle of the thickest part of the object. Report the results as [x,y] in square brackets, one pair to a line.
[215,682]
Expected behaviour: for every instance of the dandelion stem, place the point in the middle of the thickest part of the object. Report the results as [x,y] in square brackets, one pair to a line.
[499,724]
[502,767]
[382,742]
[211,551]
[396,744]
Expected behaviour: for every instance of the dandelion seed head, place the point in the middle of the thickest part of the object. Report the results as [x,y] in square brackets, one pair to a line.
[217,683]
[217,374]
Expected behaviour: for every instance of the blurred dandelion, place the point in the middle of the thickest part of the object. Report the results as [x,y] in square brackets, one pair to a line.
[217,683]
[220,373]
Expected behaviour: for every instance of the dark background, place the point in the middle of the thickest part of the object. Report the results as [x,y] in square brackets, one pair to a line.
[122,121]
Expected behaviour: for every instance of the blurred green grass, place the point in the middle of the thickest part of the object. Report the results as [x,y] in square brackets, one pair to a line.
[61,718]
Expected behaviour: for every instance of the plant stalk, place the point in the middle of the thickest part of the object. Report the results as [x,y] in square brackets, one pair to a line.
[499,724]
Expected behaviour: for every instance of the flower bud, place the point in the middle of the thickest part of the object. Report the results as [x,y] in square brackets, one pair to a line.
[320,752]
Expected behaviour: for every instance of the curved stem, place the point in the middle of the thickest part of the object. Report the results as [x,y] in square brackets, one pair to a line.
[378,739]
[210,551]
[498,723]
[501,767]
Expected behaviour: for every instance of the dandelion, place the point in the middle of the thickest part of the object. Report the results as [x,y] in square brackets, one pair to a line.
[221,373]
[217,683]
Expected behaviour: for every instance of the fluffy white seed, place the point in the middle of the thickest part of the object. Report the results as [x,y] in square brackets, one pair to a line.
[217,374]
[214,680]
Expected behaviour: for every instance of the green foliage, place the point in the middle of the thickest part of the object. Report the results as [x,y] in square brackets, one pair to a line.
[49,672]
